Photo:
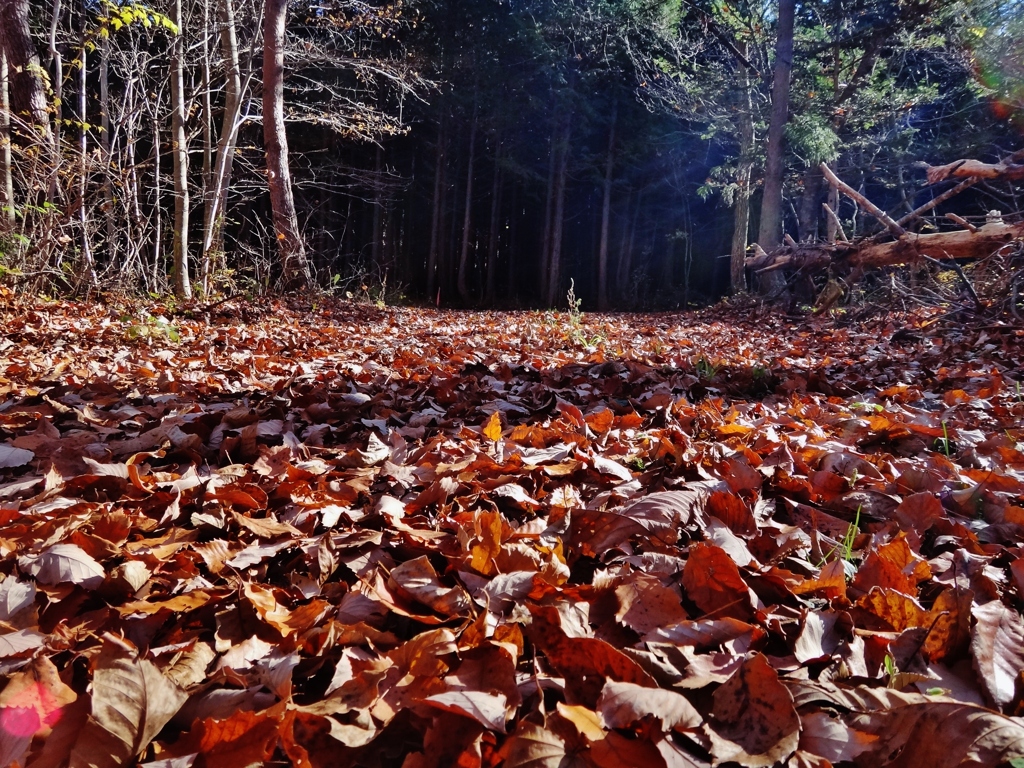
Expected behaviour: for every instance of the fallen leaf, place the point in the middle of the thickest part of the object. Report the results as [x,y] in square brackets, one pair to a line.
[754,721]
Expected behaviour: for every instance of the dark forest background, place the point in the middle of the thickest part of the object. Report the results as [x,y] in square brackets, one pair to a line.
[484,152]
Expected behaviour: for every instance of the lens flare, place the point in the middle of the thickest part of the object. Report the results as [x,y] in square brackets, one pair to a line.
[999,62]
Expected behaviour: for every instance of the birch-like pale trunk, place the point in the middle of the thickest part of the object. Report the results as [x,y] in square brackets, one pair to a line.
[217,200]
[179,160]
[105,145]
[294,267]
[88,261]
[57,62]
[6,162]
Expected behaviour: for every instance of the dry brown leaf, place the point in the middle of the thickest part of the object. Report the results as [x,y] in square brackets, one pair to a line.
[712,580]
[131,702]
[997,646]
[63,563]
[755,723]
[31,704]
[533,746]
[623,704]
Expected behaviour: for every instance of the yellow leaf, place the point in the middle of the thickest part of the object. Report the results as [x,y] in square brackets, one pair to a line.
[492,430]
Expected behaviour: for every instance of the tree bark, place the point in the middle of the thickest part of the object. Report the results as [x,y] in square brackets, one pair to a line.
[26,86]
[744,172]
[7,181]
[770,233]
[179,160]
[467,215]
[57,62]
[213,214]
[965,169]
[606,214]
[558,216]
[549,205]
[105,143]
[83,157]
[494,234]
[294,267]
[437,211]
[810,205]
[910,247]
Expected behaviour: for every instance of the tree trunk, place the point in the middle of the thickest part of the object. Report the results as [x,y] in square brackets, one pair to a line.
[294,267]
[377,232]
[83,157]
[207,130]
[495,230]
[606,214]
[7,181]
[213,214]
[105,143]
[810,204]
[437,211]
[770,233]
[58,74]
[549,204]
[832,229]
[179,159]
[741,199]
[558,216]
[25,81]
[909,248]
[625,263]
[467,215]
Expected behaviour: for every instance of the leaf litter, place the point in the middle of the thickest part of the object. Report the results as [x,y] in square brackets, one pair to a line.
[336,535]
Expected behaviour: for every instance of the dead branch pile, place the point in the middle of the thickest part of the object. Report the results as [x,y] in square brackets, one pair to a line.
[896,245]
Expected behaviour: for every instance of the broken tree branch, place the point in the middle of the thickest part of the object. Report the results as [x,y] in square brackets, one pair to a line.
[937,201]
[961,221]
[963,169]
[840,232]
[866,204]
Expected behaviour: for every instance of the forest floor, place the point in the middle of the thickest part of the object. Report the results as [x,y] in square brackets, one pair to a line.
[314,533]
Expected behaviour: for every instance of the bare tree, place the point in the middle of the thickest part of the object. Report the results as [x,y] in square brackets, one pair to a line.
[179,159]
[217,195]
[7,187]
[294,267]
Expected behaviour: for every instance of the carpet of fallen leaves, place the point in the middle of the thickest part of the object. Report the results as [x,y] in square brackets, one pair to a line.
[317,534]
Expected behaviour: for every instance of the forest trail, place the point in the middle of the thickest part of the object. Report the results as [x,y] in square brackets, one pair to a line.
[321,533]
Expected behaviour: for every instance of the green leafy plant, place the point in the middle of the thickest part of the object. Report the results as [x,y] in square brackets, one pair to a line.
[707,368]
[150,327]
[851,537]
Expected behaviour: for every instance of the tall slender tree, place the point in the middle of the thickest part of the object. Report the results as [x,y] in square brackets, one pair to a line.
[6,160]
[770,231]
[179,159]
[294,266]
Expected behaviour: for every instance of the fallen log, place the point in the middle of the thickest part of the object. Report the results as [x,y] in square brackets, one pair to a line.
[960,244]
[966,169]
[910,247]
